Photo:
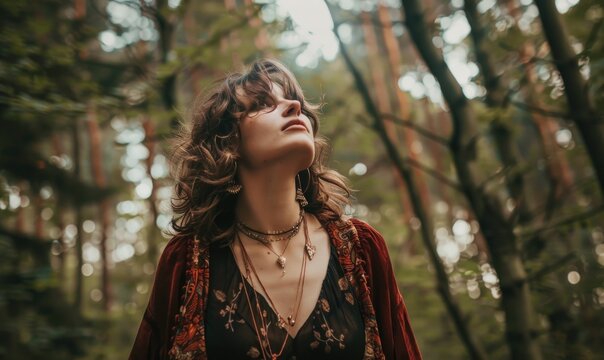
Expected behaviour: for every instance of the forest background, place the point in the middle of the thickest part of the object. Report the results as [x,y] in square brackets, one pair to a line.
[473,131]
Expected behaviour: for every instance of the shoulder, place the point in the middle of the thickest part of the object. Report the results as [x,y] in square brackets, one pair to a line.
[362,226]
[172,264]
[168,276]
[370,238]
[175,252]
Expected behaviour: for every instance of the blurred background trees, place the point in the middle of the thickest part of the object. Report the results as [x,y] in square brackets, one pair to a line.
[472,130]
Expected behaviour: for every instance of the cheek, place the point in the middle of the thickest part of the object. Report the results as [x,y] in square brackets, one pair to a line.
[254,141]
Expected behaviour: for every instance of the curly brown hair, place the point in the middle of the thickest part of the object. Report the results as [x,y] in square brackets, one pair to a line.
[205,155]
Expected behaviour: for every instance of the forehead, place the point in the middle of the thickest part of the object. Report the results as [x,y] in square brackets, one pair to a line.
[247,99]
[277,90]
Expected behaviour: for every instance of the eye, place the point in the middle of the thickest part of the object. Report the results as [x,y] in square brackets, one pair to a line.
[261,105]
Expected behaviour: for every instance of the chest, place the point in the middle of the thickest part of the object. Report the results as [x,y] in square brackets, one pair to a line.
[290,281]
[329,323]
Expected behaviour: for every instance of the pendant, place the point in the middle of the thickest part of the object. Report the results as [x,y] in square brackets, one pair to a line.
[281,323]
[310,250]
[291,321]
[281,261]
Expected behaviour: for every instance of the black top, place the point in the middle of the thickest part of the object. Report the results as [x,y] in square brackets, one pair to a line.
[334,330]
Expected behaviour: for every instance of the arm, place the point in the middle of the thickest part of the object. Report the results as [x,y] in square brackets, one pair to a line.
[398,340]
[152,339]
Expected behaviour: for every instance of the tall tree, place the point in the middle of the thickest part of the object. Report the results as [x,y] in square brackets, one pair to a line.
[79,217]
[556,164]
[100,180]
[581,108]
[521,326]
[496,99]
[381,96]
[385,131]
[411,142]
[150,143]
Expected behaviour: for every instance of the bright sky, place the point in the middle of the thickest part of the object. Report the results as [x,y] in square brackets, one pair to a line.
[313,26]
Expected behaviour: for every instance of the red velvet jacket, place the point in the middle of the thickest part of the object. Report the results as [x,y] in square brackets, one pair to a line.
[172,325]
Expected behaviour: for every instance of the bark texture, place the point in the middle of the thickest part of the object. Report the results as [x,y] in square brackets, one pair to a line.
[583,112]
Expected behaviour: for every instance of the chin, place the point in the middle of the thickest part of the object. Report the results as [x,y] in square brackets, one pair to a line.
[301,153]
[298,153]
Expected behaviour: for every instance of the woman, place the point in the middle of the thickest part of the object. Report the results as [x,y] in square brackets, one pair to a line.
[263,264]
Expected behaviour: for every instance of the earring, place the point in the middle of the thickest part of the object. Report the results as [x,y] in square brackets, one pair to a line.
[299,194]
[232,186]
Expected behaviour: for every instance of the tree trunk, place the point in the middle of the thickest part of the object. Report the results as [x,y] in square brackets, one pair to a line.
[394,61]
[150,144]
[168,85]
[381,95]
[38,205]
[96,160]
[442,280]
[502,242]
[580,105]
[558,170]
[75,136]
[194,75]
[495,98]
[58,151]
[80,13]
[20,211]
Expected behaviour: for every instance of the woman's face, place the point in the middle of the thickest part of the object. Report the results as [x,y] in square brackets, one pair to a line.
[283,134]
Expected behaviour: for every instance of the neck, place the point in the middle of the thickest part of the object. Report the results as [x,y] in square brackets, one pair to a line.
[267,200]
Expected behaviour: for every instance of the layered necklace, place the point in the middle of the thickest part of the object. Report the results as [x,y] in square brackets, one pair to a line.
[266,238]
[271,236]
[258,321]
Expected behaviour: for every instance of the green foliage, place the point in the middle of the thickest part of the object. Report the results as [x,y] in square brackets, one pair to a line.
[36,321]
[54,74]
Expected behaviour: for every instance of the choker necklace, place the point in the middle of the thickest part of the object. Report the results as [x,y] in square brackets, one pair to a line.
[281,261]
[267,237]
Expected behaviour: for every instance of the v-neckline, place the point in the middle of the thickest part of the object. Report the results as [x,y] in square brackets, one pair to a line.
[267,303]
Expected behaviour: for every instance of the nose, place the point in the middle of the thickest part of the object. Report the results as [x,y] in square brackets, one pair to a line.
[293,108]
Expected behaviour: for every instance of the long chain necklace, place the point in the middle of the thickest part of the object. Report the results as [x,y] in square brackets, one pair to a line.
[249,268]
[268,350]
[291,318]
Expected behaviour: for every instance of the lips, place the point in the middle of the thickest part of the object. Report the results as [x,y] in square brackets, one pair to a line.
[294,122]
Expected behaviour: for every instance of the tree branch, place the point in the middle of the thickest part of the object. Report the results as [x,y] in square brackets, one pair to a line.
[593,36]
[420,130]
[540,111]
[565,221]
[435,174]
[532,277]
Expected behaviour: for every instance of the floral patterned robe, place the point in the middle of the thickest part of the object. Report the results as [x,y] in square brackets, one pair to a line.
[173,323]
